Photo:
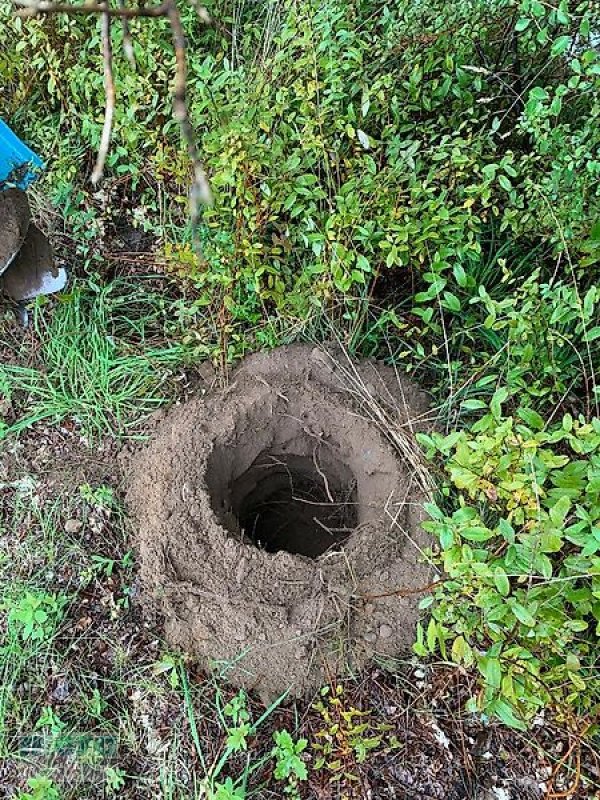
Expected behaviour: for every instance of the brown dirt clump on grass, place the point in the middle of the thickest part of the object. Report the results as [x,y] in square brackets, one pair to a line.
[278,520]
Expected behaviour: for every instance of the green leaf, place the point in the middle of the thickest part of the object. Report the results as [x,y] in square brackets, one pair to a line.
[434,511]
[432,635]
[477,533]
[522,614]
[559,511]
[283,739]
[522,24]
[561,45]
[461,650]
[592,334]
[505,182]
[465,514]
[491,670]
[500,396]
[531,418]
[461,275]
[362,263]
[501,581]
[543,565]
[473,405]
[236,740]
[452,302]
[538,93]
[537,9]
[506,714]
[506,530]
[446,538]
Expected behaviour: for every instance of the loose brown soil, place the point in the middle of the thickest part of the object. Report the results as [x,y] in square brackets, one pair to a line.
[277,524]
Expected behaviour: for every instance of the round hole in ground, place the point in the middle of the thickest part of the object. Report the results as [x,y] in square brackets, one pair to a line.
[294,503]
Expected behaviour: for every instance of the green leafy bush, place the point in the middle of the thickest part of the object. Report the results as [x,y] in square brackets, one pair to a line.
[343,141]
[540,338]
[519,536]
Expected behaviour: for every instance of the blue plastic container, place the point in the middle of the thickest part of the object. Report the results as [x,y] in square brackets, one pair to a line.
[19,165]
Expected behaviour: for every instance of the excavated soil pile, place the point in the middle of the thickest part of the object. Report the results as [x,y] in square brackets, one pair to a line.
[278,524]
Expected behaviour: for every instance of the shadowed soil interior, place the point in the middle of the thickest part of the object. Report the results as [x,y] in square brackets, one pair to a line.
[286,502]
[276,520]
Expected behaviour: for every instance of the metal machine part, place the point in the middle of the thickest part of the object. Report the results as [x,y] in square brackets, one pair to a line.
[27,265]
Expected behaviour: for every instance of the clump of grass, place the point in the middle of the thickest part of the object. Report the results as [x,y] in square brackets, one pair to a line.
[102,364]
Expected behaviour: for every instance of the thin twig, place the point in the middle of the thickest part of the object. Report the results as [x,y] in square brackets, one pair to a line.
[127,42]
[402,592]
[202,12]
[109,94]
[200,190]
[332,531]
[322,474]
[576,743]
[32,7]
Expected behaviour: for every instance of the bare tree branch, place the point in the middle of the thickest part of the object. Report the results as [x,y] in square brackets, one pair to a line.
[200,190]
[203,14]
[109,91]
[33,7]
[127,43]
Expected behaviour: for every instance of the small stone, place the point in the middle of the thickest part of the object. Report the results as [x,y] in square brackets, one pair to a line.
[73,526]
[385,631]
[318,355]
[241,571]
[370,636]
[61,691]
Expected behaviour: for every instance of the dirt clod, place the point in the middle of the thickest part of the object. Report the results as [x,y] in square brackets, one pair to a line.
[277,524]
[73,526]
[385,631]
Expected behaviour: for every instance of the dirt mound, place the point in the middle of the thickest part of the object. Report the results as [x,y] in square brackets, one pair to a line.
[277,520]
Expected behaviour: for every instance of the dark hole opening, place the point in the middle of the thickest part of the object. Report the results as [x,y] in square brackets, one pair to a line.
[285,503]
